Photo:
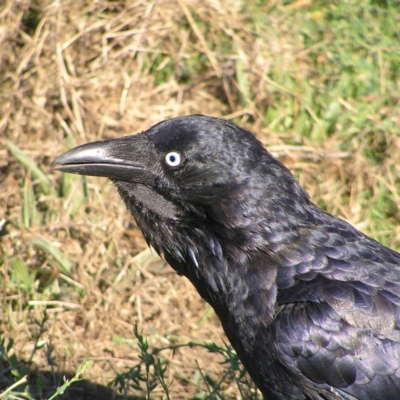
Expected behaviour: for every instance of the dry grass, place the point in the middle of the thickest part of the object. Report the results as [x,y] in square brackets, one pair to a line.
[73,72]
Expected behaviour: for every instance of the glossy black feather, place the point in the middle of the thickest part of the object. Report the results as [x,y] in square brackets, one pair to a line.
[310,304]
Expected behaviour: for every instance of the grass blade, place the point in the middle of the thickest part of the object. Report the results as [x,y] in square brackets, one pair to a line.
[31,166]
[29,212]
[23,277]
[59,256]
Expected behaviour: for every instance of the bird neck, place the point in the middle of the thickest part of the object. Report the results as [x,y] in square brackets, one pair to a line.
[239,285]
[226,250]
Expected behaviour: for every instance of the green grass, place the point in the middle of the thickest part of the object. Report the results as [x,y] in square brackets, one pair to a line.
[355,61]
[18,376]
[150,372]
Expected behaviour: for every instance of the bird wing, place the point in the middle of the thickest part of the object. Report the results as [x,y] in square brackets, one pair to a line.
[338,317]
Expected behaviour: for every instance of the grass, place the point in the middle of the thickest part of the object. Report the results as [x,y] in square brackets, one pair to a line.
[317,82]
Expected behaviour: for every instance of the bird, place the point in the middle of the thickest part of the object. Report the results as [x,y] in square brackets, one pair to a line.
[310,304]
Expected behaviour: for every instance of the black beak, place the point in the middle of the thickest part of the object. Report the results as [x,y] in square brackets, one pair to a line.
[122,159]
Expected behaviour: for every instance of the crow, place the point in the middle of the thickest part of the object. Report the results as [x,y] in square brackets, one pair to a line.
[310,304]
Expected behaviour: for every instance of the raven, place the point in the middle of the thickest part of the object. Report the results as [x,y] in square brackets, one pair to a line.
[310,304]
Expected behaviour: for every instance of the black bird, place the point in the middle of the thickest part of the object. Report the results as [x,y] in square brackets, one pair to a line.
[310,304]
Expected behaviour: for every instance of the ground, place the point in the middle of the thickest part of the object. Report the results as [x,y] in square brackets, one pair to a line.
[316,82]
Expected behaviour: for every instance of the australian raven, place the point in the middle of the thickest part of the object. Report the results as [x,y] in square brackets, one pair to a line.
[310,304]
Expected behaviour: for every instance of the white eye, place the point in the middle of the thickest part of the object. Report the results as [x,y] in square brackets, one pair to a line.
[173,159]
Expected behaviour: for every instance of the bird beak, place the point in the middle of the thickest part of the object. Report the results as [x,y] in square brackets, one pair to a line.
[122,159]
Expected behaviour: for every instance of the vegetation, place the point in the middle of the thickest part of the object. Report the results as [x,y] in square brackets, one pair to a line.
[82,296]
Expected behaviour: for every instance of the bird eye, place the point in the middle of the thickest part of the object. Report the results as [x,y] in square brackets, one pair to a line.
[173,159]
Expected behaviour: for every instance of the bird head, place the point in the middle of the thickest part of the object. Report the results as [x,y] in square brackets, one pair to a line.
[194,160]
[192,168]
